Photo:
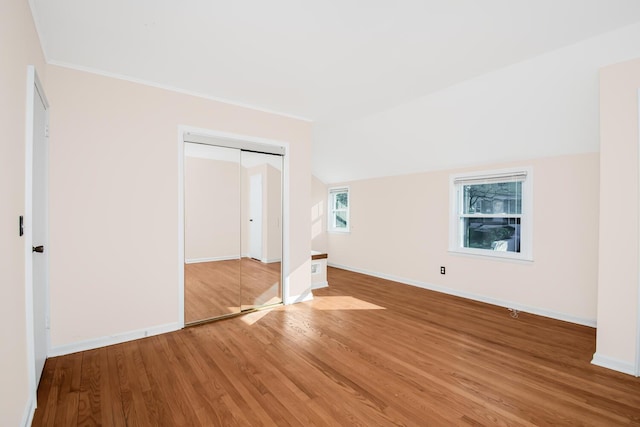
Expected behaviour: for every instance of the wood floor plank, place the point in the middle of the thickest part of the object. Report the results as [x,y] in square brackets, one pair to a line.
[47,394]
[208,387]
[164,381]
[133,385]
[89,407]
[197,399]
[111,397]
[250,393]
[365,351]
[67,379]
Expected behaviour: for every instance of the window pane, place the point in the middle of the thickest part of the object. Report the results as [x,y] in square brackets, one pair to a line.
[497,234]
[340,220]
[341,200]
[500,198]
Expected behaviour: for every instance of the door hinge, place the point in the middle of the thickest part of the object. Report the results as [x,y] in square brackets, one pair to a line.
[47,323]
[46,131]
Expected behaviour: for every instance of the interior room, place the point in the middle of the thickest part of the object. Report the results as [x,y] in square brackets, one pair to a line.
[276,213]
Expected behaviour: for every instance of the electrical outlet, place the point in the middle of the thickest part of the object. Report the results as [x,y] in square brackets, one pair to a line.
[442,271]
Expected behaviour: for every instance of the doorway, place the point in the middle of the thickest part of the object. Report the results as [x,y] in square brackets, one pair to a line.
[255,217]
[35,226]
[233,198]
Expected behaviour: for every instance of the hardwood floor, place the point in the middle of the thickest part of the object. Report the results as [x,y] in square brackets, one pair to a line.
[219,288]
[364,352]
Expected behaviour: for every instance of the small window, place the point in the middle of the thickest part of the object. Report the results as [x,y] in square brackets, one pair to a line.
[339,209]
[491,214]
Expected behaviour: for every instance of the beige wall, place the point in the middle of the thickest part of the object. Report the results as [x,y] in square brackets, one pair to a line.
[618,260]
[400,225]
[19,47]
[114,199]
[273,202]
[318,215]
[211,209]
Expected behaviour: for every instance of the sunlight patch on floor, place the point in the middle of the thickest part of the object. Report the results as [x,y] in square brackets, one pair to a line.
[269,296]
[251,318]
[342,303]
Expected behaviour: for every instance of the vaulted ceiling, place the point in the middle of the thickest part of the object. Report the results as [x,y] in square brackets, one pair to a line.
[327,61]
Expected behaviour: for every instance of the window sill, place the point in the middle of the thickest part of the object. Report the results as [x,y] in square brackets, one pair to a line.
[339,231]
[493,256]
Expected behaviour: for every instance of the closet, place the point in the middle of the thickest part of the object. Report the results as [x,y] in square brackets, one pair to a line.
[233,227]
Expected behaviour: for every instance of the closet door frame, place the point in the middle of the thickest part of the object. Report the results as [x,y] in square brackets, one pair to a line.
[250,143]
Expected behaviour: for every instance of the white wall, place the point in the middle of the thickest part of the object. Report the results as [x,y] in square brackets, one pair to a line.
[546,106]
[114,200]
[400,224]
[19,47]
[617,339]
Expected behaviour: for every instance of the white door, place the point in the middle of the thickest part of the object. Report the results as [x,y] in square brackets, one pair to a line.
[255,217]
[39,228]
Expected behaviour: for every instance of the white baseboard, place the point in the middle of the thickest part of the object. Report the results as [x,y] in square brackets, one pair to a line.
[112,339]
[29,411]
[614,364]
[320,285]
[218,258]
[294,299]
[481,298]
[270,260]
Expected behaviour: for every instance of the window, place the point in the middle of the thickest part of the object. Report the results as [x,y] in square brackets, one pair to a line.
[339,209]
[491,214]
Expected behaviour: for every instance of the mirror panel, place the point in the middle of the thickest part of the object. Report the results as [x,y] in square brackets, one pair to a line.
[212,192]
[261,266]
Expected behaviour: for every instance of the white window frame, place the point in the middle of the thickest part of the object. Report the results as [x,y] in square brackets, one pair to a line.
[456,229]
[332,211]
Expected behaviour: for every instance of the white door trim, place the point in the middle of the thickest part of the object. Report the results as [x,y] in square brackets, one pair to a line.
[33,87]
[637,367]
[189,132]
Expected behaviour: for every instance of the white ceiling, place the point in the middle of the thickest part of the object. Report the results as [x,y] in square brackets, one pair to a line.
[326,61]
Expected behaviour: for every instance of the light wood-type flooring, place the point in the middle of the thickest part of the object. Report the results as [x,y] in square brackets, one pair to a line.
[214,289]
[365,352]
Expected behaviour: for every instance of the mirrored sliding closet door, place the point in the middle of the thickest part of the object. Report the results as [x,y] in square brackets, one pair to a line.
[233,230]
[262,243]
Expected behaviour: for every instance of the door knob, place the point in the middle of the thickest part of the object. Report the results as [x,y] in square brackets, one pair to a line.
[38,249]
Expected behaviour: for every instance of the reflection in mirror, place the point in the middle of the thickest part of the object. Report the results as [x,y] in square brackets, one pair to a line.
[212,201]
[261,282]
